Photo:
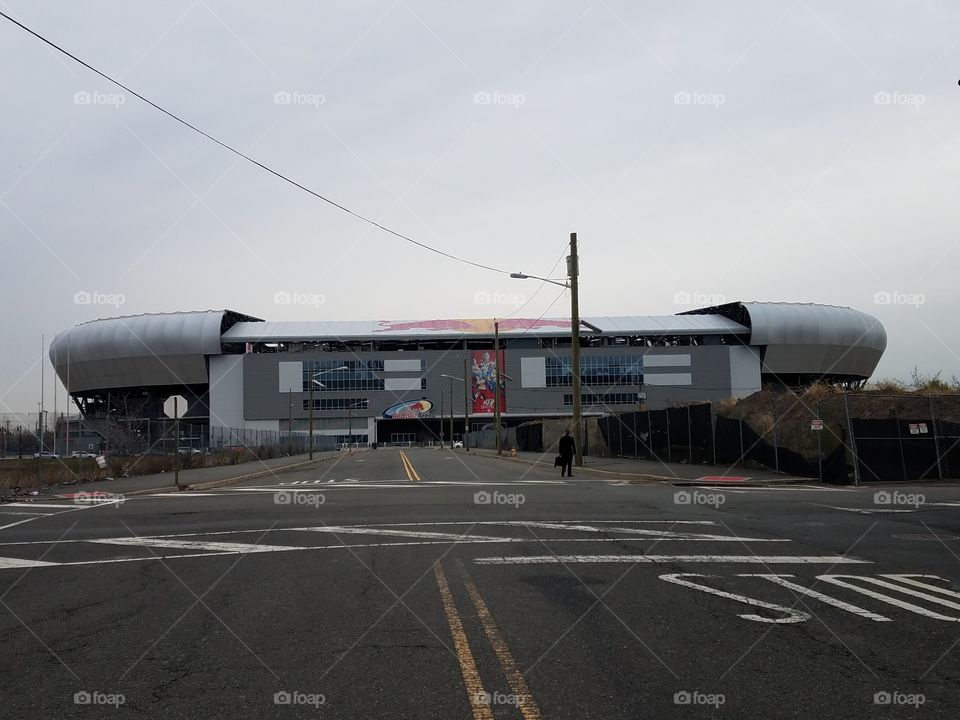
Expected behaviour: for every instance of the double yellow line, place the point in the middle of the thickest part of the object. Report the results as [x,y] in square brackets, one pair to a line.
[478,697]
[412,475]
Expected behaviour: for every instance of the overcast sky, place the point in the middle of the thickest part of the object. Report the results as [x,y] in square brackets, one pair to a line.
[703,151]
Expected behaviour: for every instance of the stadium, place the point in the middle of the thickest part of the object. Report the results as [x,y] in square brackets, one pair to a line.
[384,381]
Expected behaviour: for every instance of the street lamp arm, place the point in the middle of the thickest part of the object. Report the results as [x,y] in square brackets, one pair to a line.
[524,276]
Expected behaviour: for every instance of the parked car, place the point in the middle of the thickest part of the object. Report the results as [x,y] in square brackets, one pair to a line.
[458,443]
[79,454]
[45,456]
[189,451]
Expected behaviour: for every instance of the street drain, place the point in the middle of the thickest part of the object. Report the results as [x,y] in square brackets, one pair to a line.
[926,536]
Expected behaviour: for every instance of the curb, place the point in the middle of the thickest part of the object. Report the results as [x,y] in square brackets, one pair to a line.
[610,473]
[643,478]
[211,484]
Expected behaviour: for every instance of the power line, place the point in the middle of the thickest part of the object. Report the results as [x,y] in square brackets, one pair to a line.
[247,157]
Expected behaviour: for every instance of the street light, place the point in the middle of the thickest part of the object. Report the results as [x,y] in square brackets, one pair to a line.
[310,401]
[350,424]
[465,415]
[573,272]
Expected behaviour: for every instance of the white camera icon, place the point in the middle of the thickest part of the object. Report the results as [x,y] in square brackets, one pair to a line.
[82,698]
[82,297]
[682,98]
[482,98]
[282,97]
[482,498]
[283,498]
[282,298]
[682,497]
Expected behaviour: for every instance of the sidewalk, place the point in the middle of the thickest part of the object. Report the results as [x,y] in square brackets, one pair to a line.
[199,478]
[653,471]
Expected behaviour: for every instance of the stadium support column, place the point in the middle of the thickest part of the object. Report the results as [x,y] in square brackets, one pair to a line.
[573,271]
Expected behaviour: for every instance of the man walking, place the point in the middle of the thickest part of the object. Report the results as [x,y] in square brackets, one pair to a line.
[566,449]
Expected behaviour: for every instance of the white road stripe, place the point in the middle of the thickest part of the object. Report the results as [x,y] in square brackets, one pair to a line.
[747,559]
[71,506]
[6,563]
[342,530]
[792,615]
[195,545]
[660,534]
[779,580]
[842,581]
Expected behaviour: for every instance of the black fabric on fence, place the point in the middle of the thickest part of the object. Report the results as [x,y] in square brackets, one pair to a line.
[886,450]
[672,434]
[530,438]
[757,449]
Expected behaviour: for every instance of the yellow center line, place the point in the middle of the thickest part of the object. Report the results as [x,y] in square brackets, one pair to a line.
[471,678]
[412,474]
[527,705]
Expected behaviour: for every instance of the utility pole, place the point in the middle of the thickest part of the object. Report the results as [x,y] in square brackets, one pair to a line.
[573,271]
[310,401]
[290,420]
[441,418]
[466,407]
[496,384]
[451,413]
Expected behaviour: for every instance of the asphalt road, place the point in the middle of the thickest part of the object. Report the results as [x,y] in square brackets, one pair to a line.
[423,584]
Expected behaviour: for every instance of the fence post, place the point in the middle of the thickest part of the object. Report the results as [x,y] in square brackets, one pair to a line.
[669,449]
[713,433]
[743,462]
[776,449]
[936,438]
[689,438]
[636,450]
[853,442]
[903,459]
[819,451]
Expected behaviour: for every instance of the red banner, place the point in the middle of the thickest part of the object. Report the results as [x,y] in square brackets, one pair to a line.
[484,383]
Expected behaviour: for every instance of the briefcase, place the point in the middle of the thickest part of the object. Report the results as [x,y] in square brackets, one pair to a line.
[558,461]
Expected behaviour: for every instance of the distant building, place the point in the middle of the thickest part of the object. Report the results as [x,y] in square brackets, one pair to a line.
[387,381]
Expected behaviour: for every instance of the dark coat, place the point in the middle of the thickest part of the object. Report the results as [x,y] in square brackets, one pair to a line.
[566,446]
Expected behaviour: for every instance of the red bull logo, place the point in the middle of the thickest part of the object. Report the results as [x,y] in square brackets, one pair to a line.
[409,410]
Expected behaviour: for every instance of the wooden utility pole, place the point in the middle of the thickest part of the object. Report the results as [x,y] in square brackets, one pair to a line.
[496,384]
[573,271]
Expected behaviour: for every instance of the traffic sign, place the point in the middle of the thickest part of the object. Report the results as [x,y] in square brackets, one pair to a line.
[175,406]
[816,424]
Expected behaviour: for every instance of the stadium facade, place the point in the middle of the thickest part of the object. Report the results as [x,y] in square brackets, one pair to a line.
[388,381]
